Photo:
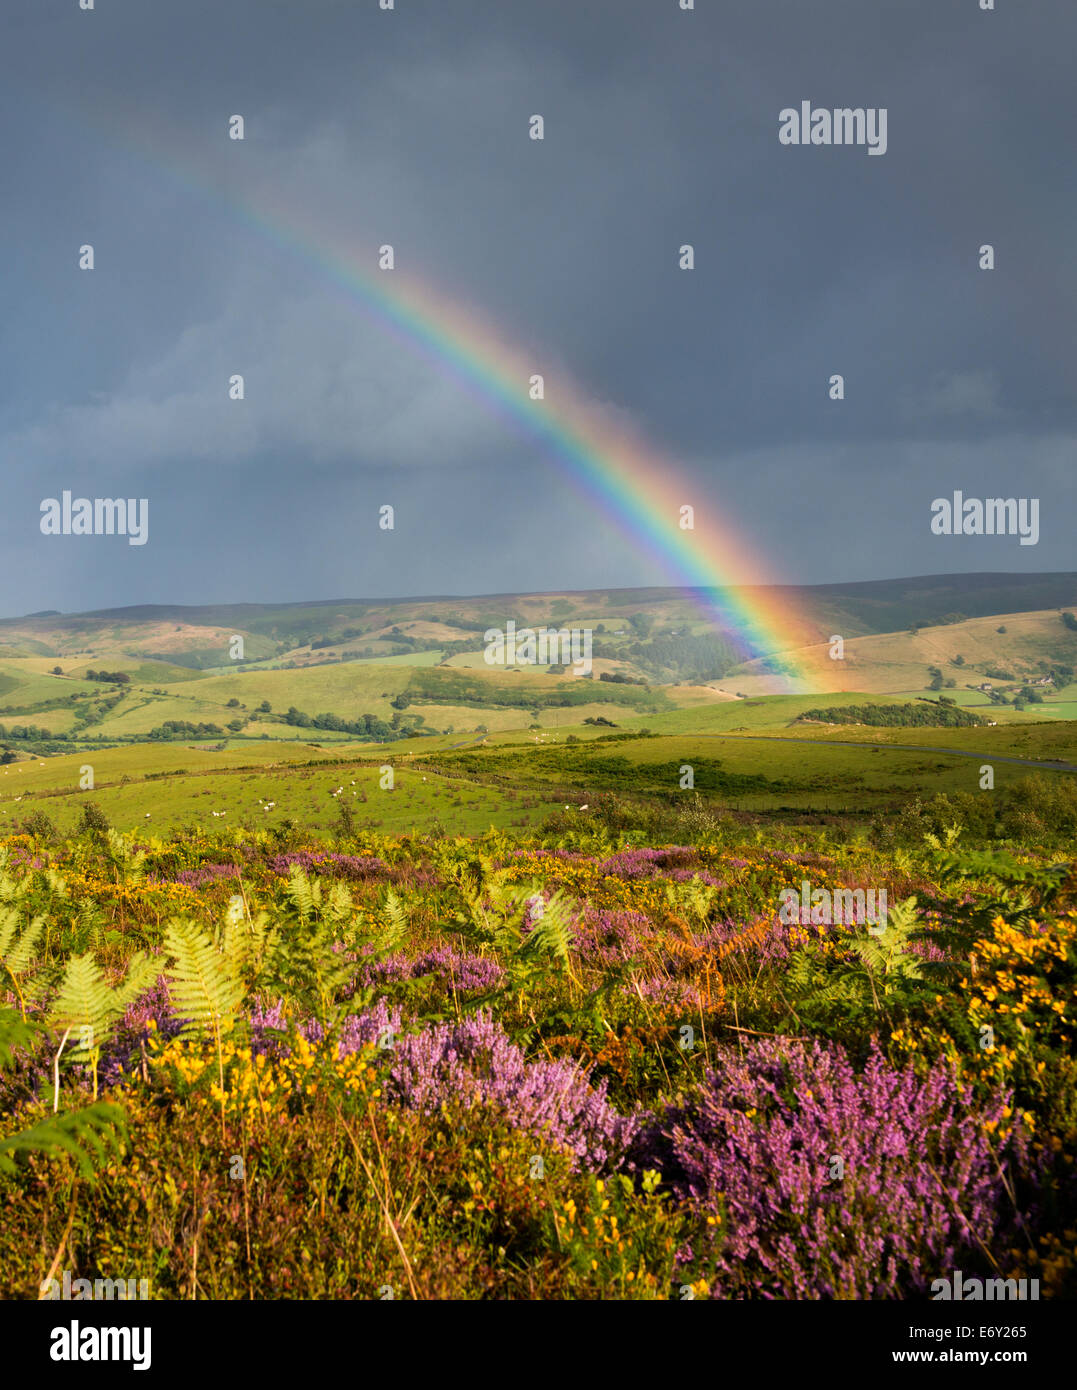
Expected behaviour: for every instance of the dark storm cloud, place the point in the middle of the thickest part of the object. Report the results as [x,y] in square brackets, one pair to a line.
[410,127]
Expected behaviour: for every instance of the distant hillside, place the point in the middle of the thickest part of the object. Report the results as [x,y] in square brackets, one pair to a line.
[887,605]
[664,633]
[1006,652]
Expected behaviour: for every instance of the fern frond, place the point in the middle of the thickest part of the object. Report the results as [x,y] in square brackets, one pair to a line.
[233,937]
[17,951]
[9,926]
[304,893]
[19,956]
[89,923]
[130,862]
[91,1136]
[57,883]
[205,986]
[263,938]
[84,1001]
[397,915]
[551,934]
[11,889]
[248,943]
[14,1032]
[339,906]
[887,953]
[142,972]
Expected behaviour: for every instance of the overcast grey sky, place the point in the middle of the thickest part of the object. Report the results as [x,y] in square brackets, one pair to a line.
[411,127]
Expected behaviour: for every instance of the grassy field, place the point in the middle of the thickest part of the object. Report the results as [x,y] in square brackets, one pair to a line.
[732,766]
[439,698]
[747,754]
[1041,740]
[762,712]
[21,685]
[743,773]
[160,788]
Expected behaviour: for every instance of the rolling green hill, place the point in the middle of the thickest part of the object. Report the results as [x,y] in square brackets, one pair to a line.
[658,663]
[198,637]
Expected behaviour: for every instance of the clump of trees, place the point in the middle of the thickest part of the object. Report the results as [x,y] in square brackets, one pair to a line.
[335,638]
[926,714]
[366,726]
[25,731]
[182,728]
[110,677]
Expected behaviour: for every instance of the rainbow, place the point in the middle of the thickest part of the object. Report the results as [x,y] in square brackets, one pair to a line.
[602,457]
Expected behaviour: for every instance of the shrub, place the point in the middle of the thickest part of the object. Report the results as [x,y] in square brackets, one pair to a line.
[552,1100]
[40,828]
[93,821]
[757,1152]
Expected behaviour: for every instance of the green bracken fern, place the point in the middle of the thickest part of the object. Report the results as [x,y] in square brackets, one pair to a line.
[17,950]
[87,1008]
[204,983]
[90,1135]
